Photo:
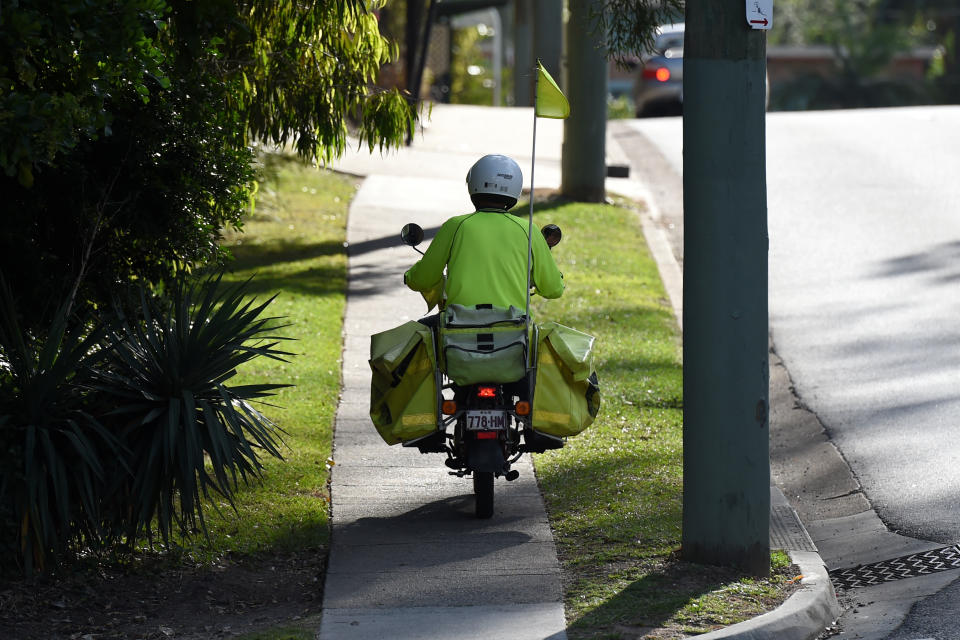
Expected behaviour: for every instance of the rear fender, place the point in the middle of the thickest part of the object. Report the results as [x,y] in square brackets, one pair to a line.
[485,455]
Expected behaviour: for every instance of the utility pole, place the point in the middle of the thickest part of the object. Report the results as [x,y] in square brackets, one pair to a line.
[583,164]
[548,34]
[538,35]
[726,493]
[523,62]
[414,13]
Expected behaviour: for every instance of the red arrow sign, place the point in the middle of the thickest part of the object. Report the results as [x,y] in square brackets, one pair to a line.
[764,22]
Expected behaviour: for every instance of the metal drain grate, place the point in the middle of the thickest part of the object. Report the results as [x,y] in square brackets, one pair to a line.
[786,530]
[918,564]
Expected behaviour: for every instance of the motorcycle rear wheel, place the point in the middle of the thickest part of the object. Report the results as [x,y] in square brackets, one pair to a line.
[483,493]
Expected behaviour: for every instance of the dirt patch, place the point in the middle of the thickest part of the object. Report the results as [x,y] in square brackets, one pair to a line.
[231,598]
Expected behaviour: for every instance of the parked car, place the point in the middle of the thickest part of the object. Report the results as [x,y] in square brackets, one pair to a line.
[658,88]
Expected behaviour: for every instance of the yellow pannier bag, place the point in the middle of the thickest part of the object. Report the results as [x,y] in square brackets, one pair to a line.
[403,387]
[566,397]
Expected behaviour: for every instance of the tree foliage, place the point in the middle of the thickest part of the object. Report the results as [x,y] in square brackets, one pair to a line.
[60,62]
[295,71]
[935,22]
[866,34]
[127,137]
[127,128]
[860,34]
[631,25]
[129,208]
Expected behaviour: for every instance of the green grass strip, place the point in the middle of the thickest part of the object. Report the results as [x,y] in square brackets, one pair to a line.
[293,245]
[614,492]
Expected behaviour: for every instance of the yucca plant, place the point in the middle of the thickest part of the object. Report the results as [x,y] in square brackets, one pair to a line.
[188,434]
[52,477]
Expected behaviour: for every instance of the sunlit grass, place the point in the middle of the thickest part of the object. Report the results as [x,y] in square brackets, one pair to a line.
[292,247]
[614,492]
[283,633]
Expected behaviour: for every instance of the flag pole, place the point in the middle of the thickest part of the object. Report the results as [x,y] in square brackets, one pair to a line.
[533,164]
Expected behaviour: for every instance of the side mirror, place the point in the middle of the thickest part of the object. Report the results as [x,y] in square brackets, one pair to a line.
[411,234]
[552,234]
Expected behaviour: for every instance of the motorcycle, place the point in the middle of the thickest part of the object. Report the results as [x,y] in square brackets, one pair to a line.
[484,427]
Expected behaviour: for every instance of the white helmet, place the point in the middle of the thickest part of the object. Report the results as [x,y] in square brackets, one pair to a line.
[496,175]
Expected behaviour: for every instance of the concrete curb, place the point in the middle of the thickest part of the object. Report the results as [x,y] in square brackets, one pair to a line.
[814,607]
[803,616]
[810,610]
[670,272]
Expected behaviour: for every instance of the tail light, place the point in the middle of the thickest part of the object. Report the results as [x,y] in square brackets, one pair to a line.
[522,408]
[486,435]
[487,392]
[660,74]
[449,407]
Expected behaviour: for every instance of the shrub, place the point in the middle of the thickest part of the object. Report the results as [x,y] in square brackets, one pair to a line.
[125,426]
[186,432]
[53,446]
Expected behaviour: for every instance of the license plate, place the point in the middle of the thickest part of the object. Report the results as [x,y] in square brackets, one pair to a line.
[486,420]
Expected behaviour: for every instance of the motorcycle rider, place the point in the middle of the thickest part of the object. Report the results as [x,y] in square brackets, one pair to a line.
[485,255]
[485,252]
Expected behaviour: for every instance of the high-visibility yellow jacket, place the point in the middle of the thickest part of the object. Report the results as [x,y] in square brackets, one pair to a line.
[485,253]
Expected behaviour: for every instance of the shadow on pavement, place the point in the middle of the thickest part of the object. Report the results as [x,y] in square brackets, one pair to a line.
[424,545]
[386,242]
[448,519]
[371,280]
[940,262]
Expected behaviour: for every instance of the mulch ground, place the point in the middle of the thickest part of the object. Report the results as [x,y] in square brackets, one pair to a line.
[149,603]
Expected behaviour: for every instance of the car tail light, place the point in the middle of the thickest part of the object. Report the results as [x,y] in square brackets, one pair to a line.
[486,435]
[487,392]
[449,407]
[660,74]
[522,408]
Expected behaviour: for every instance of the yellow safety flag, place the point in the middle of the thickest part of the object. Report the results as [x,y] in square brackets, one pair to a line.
[551,103]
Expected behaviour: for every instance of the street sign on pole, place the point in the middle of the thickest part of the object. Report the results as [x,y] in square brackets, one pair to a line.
[760,14]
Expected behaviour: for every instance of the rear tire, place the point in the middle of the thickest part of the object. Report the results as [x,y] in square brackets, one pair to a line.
[483,492]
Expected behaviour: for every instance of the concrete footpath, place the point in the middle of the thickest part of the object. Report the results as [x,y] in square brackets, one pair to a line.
[408,559]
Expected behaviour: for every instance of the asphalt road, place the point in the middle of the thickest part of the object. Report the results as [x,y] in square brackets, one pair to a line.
[864,268]
[864,298]
[865,293]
